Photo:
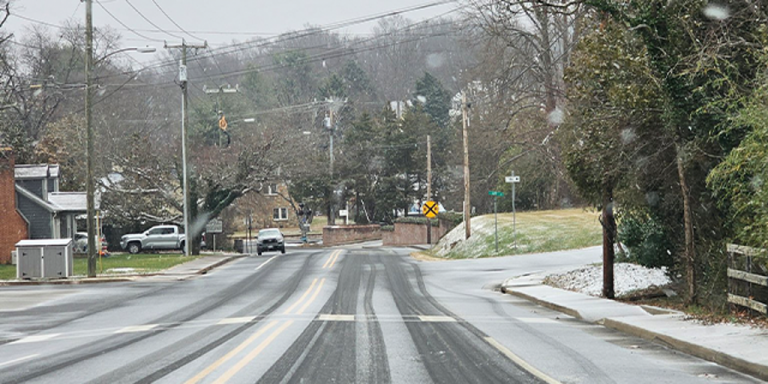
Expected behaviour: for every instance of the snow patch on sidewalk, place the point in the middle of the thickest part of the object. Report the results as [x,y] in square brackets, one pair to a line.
[627,278]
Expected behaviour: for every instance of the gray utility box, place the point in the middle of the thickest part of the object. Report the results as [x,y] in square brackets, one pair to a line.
[47,258]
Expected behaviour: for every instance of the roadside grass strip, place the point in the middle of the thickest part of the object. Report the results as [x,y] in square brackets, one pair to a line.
[534,232]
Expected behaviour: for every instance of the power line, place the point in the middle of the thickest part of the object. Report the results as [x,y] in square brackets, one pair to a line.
[123,24]
[174,22]
[150,21]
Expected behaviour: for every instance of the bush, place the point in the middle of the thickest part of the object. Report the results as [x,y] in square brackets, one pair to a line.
[417,220]
[645,239]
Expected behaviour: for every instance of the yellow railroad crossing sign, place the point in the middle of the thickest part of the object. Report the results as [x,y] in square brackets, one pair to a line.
[430,209]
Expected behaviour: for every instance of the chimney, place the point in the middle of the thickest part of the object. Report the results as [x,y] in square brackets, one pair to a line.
[13,227]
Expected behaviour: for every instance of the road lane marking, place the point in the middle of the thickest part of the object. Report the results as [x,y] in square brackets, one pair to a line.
[536,320]
[334,259]
[247,359]
[19,360]
[311,299]
[334,317]
[522,363]
[137,328]
[265,263]
[207,371]
[36,338]
[236,320]
[304,296]
[437,319]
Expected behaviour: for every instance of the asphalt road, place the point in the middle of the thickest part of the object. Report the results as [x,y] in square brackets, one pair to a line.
[341,315]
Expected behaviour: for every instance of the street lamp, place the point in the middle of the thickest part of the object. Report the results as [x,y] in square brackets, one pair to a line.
[89,187]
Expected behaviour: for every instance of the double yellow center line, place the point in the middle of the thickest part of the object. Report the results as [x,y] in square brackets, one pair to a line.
[297,308]
[317,287]
[332,259]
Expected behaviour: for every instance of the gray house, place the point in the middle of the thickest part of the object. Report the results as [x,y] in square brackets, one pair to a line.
[50,214]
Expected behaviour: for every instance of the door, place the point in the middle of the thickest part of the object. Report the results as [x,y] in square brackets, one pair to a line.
[154,238]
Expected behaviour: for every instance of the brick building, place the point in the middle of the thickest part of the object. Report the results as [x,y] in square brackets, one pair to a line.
[13,227]
[32,206]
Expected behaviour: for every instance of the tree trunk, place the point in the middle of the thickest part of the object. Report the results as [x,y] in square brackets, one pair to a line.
[690,249]
[609,236]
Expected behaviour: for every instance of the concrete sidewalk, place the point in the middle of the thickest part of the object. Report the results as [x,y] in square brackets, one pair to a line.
[201,265]
[738,347]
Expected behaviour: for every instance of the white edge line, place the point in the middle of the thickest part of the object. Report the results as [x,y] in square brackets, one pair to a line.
[522,363]
[19,360]
[265,263]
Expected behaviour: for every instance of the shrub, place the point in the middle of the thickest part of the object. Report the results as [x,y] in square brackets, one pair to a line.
[645,239]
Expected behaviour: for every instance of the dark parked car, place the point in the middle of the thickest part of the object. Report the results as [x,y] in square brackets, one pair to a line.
[270,239]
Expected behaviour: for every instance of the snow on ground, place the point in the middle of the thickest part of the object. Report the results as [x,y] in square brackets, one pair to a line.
[627,278]
[474,246]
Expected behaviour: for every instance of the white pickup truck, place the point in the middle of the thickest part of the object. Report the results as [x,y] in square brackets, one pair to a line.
[159,237]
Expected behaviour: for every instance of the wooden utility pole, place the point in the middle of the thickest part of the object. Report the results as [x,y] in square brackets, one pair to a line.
[429,186]
[332,194]
[467,205]
[89,187]
[183,80]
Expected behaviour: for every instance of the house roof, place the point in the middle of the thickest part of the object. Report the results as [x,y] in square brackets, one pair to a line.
[68,201]
[36,171]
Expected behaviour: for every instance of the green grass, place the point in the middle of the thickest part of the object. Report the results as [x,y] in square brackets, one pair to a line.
[7,272]
[537,231]
[141,263]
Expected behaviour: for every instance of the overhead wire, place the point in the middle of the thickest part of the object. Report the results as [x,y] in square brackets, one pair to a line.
[174,22]
[150,21]
[125,26]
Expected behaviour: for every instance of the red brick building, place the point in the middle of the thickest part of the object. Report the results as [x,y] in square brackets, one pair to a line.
[13,227]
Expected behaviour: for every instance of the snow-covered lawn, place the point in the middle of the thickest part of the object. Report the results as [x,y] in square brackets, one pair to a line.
[627,278]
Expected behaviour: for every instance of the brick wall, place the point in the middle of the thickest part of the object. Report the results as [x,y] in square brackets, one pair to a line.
[12,226]
[346,234]
[412,234]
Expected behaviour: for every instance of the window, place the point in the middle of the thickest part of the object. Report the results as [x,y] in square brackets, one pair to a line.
[271,189]
[280,214]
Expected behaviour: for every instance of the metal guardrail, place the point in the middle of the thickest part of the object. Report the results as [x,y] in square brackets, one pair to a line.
[748,277]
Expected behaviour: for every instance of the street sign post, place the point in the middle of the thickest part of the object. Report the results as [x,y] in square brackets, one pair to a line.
[213,227]
[513,180]
[495,218]
[430,209]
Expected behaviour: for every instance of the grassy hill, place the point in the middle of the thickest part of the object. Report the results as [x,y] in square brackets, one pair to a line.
[537,231]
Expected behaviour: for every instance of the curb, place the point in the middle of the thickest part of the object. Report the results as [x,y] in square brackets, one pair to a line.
[219,263]
[715,356]
[67,282]
[543,303]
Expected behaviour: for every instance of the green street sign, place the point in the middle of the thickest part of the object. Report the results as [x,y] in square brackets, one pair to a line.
[494,193]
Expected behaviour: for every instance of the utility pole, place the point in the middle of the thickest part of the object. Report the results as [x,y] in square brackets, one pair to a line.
[429,186]
[332,194]
[89,187]
[467,205]
[183,81]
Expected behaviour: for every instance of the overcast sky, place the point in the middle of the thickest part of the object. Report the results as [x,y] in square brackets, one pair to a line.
[219,22]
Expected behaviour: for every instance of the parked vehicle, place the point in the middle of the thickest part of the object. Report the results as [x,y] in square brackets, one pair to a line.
[159,237]
[81,243]
[270,239]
